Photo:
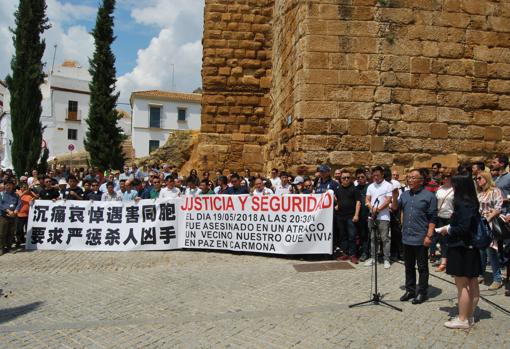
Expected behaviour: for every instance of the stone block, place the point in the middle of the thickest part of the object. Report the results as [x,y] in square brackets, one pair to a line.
[453,115]
[339,126]
[423,97]
[328,110]
[493,133]
[322,43]
[439,130]
[499,86]
[265,82]
[340,158]
[356,110]
[224,71]
[315,126]
[376,143]
[420,65]
[358,127]
[454,83]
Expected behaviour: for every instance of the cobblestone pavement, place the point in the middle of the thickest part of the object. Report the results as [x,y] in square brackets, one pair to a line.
[193,299]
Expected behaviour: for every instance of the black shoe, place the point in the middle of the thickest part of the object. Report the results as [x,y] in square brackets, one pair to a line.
[507,293]
[407,296]
[420,299]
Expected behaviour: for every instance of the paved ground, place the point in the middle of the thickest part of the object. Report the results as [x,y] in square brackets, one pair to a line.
[191,299]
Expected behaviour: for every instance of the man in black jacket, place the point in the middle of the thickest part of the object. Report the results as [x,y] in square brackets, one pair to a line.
[346,215]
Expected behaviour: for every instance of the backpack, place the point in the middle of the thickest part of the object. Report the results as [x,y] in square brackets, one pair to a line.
[482,236]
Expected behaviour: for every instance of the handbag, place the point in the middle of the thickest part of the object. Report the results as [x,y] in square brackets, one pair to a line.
[500,228]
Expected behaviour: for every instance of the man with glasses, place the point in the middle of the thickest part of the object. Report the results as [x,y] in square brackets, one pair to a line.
[419,211]
[156,188]
[378,200]
[346,215]
[49,192]
[94,194]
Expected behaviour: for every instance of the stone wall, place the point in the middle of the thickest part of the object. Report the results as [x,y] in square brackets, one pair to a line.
[395,82]
[236,75]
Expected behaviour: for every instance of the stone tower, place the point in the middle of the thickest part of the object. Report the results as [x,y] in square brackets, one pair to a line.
[295,83]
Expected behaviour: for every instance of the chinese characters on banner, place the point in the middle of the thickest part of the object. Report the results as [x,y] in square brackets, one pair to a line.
[291,224]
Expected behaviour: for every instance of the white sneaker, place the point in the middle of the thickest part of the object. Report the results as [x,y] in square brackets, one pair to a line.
[471,321]
[369,262]
[387,265]
[457,323]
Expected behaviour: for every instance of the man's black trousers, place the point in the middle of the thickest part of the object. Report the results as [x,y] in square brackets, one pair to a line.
[416,255]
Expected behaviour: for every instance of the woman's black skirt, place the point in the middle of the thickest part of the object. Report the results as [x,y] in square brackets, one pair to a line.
[464,261]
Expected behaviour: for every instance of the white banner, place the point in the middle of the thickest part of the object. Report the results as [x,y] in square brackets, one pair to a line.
[289,224]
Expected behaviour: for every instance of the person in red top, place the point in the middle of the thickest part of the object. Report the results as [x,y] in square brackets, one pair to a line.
[26,196]
[433,183]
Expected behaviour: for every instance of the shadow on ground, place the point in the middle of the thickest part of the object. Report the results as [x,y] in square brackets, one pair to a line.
[9,314]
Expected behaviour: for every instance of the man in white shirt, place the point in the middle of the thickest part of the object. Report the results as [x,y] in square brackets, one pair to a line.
[170,191]
[378,199]
[31,180]
[111,194]
[191,187]
[260,188]
[275,180]
[285,187]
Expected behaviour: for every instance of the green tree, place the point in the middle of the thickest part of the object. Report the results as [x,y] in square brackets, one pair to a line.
[104,138]
[24,84]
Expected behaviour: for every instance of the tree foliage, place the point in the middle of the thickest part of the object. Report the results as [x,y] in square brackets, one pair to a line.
[104,138]
[24,84]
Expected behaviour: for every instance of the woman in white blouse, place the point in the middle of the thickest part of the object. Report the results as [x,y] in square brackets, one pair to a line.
[444,197]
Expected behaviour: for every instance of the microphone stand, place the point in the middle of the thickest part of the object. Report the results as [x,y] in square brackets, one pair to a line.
[376,296]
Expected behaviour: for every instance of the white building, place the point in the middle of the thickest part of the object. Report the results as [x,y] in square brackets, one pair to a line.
[65,106]
[65,109]
[155,114]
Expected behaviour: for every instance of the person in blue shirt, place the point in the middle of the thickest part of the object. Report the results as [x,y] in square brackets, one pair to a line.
[325,182]
[419,212]
[9,207]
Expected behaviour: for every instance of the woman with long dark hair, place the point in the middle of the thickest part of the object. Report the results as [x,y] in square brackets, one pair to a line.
[463,258]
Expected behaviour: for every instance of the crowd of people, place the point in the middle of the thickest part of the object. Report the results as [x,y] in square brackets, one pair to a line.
[412,219]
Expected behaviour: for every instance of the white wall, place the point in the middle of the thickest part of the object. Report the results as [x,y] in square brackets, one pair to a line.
[142,133]
[56,132]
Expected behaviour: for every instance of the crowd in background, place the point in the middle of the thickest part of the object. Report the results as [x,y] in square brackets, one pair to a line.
[358,193]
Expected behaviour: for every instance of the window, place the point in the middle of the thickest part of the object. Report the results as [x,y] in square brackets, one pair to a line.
[153,145]
[181,114]
[72,110]
[155,117]
[72,134]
